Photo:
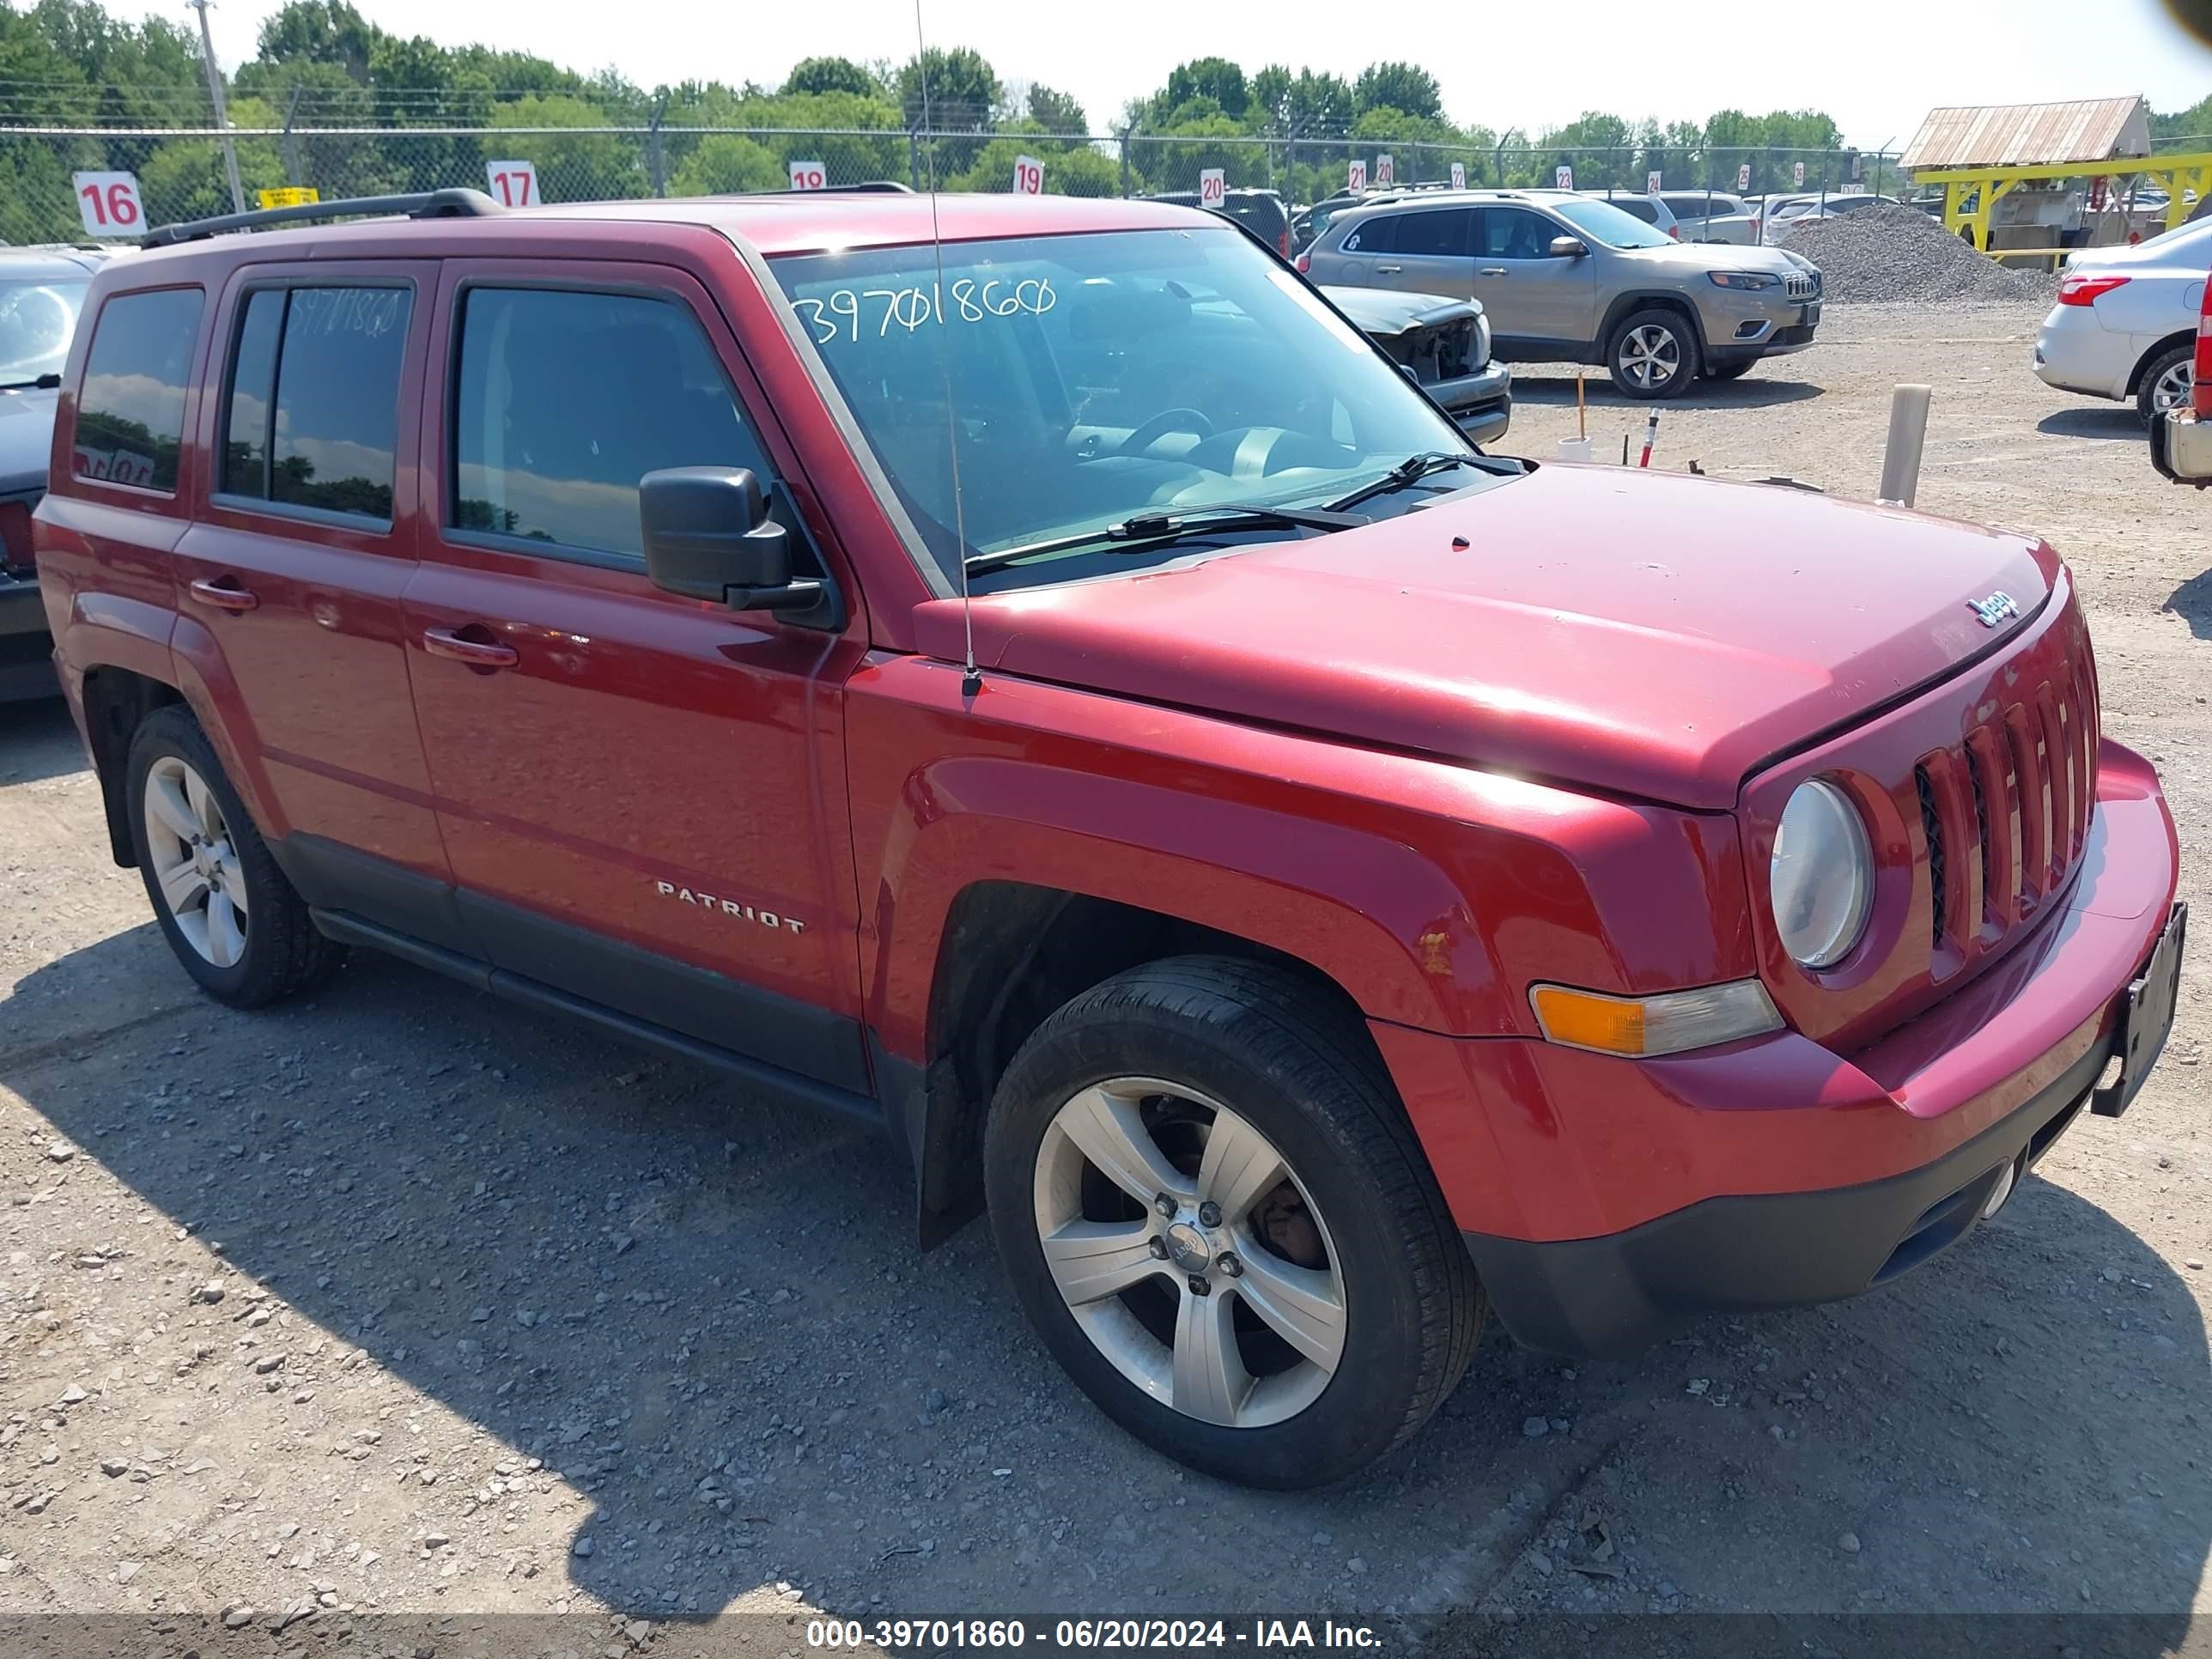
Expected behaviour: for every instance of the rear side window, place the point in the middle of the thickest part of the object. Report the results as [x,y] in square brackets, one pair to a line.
[130,412]
[312,415]
[564,400]
[1441,232]
[1636,207]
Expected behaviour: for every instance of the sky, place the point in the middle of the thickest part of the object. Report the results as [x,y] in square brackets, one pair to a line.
[1877,69]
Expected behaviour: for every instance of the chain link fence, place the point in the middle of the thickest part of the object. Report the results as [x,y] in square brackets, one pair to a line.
[181,174]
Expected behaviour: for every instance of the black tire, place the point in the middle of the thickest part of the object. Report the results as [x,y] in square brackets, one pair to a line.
[284,953]
[1296,1065]
[2159,366]
[1681,348]
[1732,370]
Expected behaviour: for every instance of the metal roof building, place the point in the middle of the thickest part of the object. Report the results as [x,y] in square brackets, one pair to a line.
[2031,135]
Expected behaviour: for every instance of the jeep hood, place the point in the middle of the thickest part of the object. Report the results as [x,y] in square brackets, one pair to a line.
[1683,260]
[1650,634]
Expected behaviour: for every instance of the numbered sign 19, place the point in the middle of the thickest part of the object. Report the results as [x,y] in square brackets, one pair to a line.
[514,184]
[108,203]
[1459,175]
[1800,172]
[1743,178]
[1386,169]
[1212,187]
[1564,178]
[1029,176]
[1355,176]
[1651,182]
[809,175]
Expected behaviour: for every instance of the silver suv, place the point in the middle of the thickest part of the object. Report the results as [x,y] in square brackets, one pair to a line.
[1567,279]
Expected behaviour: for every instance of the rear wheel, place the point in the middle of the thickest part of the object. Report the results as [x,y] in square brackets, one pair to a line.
[1214,1211]
[1654,354]
[2167,381]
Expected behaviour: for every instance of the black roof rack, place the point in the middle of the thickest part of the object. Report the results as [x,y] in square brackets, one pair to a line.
[867,187]
[421,204]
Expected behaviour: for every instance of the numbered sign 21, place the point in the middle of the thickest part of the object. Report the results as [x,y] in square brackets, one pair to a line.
[1355,176]
[1459,175]
[1386,169]
[1029,176]
[1564,177]
[1212,187]
[809,175]
[108,203]
[514,184]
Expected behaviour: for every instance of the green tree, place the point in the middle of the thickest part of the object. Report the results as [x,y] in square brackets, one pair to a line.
[1404,87]
[320,31]
[1055,112]
[2195,122]
[959,87]
[1213,78]
[819,75]
[1076,170]
[725,163]
[579,166]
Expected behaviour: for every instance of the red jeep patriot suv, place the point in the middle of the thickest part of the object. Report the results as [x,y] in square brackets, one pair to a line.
[1323,882]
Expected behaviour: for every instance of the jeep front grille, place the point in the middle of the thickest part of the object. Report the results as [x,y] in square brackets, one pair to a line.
[1799,286]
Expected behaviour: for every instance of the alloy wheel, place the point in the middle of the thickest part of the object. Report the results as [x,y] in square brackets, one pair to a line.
[1650,355]
[194,861]
[2171,390]
[1190,1252]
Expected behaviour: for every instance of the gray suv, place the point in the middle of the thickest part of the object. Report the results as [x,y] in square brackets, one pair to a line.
[1567,279]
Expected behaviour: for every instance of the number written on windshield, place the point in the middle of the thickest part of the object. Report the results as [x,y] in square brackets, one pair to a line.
[846,311]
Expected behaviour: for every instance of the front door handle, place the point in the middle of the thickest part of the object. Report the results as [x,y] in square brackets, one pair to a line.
[1381,271]
[477,653]
[1490,271]
[223,592]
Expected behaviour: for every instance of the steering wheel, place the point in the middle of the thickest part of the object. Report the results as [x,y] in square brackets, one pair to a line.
[1167,421]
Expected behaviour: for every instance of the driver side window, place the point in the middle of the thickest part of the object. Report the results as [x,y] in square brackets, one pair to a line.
[1512,233]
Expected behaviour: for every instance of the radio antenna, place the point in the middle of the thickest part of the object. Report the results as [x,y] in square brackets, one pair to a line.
[971,678]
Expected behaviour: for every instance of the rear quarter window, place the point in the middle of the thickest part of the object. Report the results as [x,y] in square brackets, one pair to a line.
[131,410]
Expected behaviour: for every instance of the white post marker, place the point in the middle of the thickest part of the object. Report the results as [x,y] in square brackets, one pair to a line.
[1029,176]
[1563,177]
[1459,175]
[809,175]
[1386,169]
[1800,174]
[1212,187]
[514,184]
[108,203]
[1651,182]
[1743,179]
[1355,176]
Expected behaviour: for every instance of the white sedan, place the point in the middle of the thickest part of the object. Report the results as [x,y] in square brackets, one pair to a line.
[2125,324]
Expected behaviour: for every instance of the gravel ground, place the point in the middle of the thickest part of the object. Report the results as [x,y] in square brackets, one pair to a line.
[406,1302]
[1886,255]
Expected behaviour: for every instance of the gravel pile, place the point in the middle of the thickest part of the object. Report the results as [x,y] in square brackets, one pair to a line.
[1892,253]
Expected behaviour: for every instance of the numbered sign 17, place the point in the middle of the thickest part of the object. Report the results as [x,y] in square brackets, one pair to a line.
[1564,178]
[1743,178]
[1355,176]
[1029,176]
[1386,169]
[809,175]
[1651,182]
[514,184]
[108,203]
[1212,187]
[1801,175]
[1459,175]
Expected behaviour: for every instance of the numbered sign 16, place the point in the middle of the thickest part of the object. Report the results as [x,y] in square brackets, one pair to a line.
[1651,182]
[1565,178]
[1743,178]
[108,203]
[1386,169]
[1212,187]
[1459,175]
[1355,176]
[514,184]
[1029,176]
[809,175]
[1801,175]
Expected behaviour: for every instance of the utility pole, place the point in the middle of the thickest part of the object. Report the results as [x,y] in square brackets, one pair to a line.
[221,113]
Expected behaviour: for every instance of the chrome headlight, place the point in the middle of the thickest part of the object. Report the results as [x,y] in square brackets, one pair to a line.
[1821,881]
[1753,280]
[1481,340]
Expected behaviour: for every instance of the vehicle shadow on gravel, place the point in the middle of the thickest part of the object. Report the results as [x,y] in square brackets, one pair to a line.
[709,1317]
[1749,392]
[37,740]
[2192,603]
[2120,421]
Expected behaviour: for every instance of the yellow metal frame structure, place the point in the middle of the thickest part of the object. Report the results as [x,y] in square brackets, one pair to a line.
[2175,172]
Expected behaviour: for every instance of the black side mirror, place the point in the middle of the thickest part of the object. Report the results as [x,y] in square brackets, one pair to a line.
[708,536]
[1568,247]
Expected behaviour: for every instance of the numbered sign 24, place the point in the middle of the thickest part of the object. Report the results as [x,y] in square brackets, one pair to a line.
[1386,169]
[514,184]
[1459,175]
[1029,176]
[1651,182]
[1212,187]
[809,175]
[1355,176]
[108,203]
[1564,178]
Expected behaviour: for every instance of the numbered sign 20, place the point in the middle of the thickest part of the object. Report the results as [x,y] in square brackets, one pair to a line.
[108,203]
[1386,169]
[1029,176]
[514,184]
[1355,176]
[809,175]
[1743,178]
[1564,177]
[1459,175]
[1212,187]
[1651,182]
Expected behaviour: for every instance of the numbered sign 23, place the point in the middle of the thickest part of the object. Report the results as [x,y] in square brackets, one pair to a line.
[1459,175]
[809,175]
[108,203]
[1029,176]
[1355,176]
[514,184]
[1212,187]
[1564,178]
[1386,169]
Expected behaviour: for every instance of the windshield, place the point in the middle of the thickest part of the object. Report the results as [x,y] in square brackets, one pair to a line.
[1609,225]
[36,321]
[1099,378]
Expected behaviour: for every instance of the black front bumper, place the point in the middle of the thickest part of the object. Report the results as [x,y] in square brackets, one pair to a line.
[1481,403]
[27,668]
[1611,1296]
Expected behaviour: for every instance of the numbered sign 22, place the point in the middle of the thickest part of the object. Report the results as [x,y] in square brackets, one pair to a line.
[1565,178]
[809,175]
[108,203]
[1459,175]
[1801,175]
[1386,169]
[1212,187]
[1355,176]
[1743,178]
[1651,182]
[1029,176]
[514,184]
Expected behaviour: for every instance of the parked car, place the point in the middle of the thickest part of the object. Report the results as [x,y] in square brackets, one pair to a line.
[1786,213]
[1712,217]
[1308,222]
[1651,210]
[2124,325]
[1056,694]
[1445,344]
[1260,211]
[1566,279]
[40,290]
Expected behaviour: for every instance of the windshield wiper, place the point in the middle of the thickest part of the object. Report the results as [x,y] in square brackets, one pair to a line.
[43,383]
[1148,530]
[1415,467]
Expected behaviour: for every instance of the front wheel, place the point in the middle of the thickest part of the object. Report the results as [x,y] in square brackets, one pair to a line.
[1214,1210]
[1654,353]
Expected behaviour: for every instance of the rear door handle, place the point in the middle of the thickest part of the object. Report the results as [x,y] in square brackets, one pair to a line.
[444,642]
[1389,270]
[1491,271]
[223,592]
